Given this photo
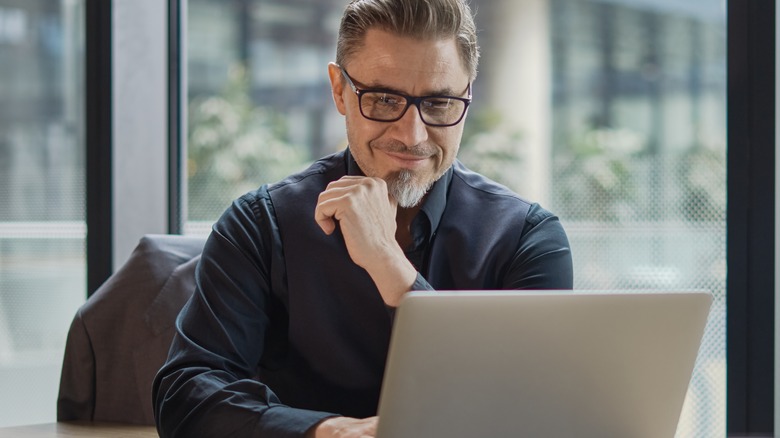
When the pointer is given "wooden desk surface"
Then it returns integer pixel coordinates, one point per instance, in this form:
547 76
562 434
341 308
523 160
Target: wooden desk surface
79 429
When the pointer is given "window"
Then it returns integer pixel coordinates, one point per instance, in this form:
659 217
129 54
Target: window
610 113
259 100
639 161
42 220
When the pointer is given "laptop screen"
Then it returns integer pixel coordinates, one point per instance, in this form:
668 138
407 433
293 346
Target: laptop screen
540 363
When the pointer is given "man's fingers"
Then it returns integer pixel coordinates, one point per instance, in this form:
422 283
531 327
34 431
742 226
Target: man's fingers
328 225
324 215
336 197
352 196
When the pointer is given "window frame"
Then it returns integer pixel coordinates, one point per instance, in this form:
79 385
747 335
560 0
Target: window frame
750 224
99 133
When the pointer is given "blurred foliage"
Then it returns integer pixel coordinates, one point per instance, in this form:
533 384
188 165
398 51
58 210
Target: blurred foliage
604 175
703 178
594 177
491 148
234 147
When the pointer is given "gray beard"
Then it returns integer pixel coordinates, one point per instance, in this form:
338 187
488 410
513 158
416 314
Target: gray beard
406 190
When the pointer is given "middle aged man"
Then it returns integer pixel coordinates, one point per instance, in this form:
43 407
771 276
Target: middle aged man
288 330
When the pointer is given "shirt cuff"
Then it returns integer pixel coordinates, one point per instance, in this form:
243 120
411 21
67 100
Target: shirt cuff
420 283
287 422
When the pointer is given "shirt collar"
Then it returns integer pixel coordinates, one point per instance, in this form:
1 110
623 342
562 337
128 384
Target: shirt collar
433 205
436 201
352 166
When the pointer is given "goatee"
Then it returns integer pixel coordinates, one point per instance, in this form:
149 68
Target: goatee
407 191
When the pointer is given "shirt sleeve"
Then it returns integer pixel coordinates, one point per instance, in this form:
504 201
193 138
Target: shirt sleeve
206 387
543 259
421 284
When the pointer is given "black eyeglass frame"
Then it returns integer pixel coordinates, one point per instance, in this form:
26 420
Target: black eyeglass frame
410 100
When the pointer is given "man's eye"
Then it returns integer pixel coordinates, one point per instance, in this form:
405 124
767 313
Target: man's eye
436 104
388 99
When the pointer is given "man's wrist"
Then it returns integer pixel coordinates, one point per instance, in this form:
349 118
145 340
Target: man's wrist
319 430
394 278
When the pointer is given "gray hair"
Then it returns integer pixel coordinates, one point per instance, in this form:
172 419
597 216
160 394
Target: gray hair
413 18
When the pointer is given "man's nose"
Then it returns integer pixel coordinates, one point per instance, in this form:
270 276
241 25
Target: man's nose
410 128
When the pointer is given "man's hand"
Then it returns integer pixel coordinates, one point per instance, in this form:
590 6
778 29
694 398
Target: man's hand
345 427
366 215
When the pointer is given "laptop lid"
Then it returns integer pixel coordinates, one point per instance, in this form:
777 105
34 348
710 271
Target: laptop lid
540 363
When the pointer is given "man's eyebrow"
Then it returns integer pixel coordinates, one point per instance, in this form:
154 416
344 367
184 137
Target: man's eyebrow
376 86
445 91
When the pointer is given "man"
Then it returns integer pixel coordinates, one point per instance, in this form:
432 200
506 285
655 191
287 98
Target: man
288 330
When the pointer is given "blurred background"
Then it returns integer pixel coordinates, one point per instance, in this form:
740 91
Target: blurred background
610 113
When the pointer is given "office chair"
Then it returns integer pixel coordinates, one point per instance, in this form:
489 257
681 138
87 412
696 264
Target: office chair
120 337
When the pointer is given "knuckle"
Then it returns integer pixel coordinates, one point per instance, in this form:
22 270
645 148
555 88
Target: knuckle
378 181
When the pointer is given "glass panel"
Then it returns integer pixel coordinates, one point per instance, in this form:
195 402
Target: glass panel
639 161
610 113
259 102
42 228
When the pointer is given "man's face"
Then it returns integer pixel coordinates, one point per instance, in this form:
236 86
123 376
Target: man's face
408 154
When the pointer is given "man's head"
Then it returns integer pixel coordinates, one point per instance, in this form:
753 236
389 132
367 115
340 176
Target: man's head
411 48
417 19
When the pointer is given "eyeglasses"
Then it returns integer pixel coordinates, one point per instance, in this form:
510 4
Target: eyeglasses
388 106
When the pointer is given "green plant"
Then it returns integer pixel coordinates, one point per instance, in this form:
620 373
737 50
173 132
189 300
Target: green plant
703 179
491 148
595 177
234 146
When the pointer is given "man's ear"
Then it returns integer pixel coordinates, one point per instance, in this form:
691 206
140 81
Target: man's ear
337 87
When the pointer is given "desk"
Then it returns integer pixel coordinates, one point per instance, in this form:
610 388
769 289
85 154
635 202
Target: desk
79 429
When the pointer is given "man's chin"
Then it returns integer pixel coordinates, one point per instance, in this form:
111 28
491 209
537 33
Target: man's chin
406 189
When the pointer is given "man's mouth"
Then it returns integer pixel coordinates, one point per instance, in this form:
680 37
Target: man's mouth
407 160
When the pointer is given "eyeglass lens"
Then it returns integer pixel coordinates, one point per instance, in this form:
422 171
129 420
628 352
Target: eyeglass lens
384 106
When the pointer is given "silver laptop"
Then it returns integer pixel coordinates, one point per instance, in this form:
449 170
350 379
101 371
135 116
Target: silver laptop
540 364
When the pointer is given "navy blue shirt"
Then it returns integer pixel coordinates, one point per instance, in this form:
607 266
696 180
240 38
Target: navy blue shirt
285 330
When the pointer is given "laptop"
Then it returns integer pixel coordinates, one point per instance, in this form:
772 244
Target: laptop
540 363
